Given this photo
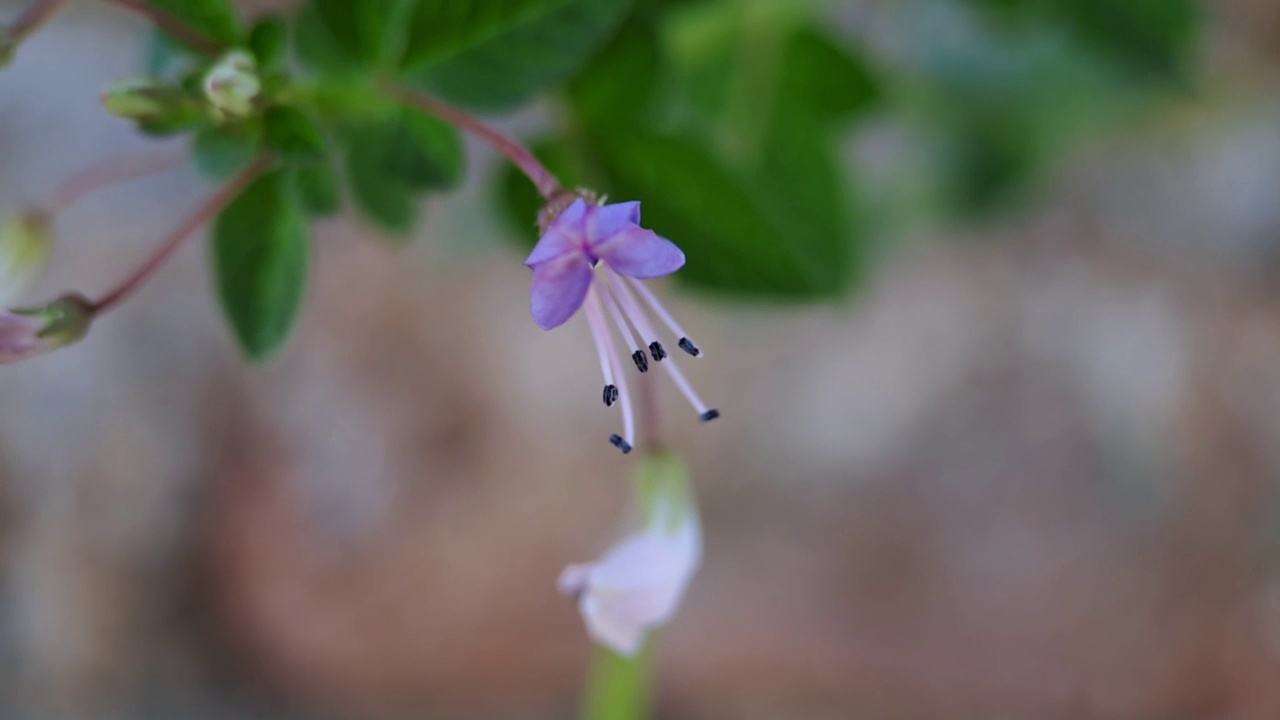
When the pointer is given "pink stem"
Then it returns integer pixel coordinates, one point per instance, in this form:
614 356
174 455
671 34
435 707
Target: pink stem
202 214
517 153
110 171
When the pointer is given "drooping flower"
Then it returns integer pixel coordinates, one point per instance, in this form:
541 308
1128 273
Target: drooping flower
638 584
27 333
592 256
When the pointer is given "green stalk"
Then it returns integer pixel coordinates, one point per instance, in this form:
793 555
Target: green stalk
620 688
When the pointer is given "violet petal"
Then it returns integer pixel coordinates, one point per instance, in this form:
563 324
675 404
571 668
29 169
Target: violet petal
559 288
639 253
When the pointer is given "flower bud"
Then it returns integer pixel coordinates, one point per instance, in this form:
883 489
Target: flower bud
24 249
157 107
232 85
638 584
31 332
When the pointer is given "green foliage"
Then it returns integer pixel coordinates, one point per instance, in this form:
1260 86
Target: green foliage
318 189
293 134
221 152
341 35
215 19
1149 37
261 254
495 54
269 42
389 163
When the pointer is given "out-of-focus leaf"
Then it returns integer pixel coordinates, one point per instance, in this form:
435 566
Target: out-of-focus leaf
618 87
215 19
1151 37
261 256
318 189
389 163
826 77
496 53
221 152
268 40
362 33
733 243
293 134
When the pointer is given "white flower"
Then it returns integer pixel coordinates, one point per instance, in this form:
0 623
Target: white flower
638 584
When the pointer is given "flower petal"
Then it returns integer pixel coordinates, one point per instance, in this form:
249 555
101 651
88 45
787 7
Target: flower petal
607 220
559 287
19 337
639 253
637 585
565 235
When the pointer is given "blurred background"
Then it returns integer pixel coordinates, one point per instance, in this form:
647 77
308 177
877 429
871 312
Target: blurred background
1012 454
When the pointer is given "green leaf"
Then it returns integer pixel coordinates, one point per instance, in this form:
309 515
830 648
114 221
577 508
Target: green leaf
390 162
497 53
261 256
344 35
293 134
827 77
618 87
221 152
734 242
318 190
425 151
268 41
215 19
384 199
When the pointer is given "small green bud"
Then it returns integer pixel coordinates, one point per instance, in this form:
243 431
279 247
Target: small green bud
232 86
35 331
143 100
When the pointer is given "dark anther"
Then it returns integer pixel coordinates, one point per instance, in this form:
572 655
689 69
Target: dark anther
642 360
687 345
621 444
610 395
709 415
659 353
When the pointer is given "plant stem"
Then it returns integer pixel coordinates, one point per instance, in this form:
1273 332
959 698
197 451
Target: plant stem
517 153
173 25
202 214
619 688
115 169
35 15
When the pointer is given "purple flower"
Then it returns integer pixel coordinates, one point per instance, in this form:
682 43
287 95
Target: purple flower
592 256
27 333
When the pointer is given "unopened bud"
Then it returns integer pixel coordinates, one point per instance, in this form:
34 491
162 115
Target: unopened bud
232 85
24 249
27 333
156 107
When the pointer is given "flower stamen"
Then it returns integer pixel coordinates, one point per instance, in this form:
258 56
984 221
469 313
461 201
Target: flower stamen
637 355
609 355
600 333
636 314
685 343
